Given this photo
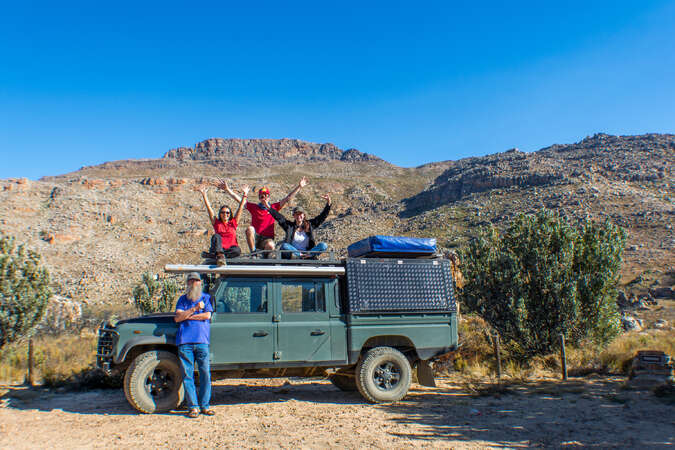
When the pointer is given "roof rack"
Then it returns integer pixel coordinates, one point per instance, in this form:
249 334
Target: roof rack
258 269
272 257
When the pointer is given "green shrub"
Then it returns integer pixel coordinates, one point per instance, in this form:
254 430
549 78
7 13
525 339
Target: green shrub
542 277
24 290
152 295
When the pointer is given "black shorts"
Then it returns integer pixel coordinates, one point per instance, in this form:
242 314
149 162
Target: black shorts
260 240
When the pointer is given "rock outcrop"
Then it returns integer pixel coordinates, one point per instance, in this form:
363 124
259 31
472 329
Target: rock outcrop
265 151
647 158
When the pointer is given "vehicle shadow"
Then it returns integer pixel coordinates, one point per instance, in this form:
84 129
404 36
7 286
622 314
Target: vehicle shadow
232 392
578 412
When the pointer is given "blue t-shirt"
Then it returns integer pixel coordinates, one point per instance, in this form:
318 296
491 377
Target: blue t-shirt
194 331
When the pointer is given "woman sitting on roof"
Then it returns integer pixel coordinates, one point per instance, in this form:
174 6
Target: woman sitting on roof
299 241
224 241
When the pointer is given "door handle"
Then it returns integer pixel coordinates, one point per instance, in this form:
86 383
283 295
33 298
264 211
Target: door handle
260 333
317 333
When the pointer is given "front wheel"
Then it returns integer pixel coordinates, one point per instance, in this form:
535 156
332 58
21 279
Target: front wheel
154 382
383 375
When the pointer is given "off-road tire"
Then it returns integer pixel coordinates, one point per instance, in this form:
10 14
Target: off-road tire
345 381
383 375
154 382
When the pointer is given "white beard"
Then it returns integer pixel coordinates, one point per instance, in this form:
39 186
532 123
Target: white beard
194 293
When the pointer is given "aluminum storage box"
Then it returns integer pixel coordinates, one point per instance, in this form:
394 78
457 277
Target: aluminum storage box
399 285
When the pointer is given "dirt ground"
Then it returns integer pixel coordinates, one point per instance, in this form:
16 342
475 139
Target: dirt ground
295 413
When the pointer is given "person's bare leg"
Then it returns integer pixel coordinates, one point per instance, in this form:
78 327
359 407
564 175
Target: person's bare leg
269 245
250 238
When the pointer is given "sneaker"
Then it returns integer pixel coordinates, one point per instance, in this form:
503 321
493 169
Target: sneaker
208 412
193 414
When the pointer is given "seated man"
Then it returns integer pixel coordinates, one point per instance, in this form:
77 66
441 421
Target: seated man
299 241
260 235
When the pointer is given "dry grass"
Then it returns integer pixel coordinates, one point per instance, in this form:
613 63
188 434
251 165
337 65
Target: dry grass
57 359
476 360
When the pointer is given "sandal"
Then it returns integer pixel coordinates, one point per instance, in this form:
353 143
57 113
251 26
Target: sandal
193 414
208 412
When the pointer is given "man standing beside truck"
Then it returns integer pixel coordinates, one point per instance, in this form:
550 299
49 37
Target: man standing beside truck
193 315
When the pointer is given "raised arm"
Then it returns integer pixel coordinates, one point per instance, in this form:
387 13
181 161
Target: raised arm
245 190
318 220
226 187
303 182
281 220
202 190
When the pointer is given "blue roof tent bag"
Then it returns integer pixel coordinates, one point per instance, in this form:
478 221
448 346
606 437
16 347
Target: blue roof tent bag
392 247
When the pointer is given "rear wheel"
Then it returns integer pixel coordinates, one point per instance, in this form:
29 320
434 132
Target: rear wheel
383 375
154 382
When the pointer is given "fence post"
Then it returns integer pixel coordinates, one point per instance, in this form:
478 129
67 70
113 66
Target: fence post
563 357
495 344
30 380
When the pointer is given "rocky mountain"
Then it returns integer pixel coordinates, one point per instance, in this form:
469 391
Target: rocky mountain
648 158
266 151
100 227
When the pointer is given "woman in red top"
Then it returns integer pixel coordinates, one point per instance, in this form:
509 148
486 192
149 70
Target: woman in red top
224 241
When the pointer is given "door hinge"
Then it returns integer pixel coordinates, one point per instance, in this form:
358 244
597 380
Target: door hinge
277 355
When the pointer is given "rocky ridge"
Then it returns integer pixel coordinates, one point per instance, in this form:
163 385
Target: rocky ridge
648 158
266 151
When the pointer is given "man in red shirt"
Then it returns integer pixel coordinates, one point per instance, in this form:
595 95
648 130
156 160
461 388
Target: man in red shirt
260 235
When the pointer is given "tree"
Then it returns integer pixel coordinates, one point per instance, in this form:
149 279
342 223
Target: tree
152 295
542 277
24 290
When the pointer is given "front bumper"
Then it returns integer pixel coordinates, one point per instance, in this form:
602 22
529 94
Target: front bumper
107 339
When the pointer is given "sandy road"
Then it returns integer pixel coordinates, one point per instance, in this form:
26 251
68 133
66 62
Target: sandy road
313 414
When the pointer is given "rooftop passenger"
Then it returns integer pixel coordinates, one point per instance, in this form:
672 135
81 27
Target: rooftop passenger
224 241
299 241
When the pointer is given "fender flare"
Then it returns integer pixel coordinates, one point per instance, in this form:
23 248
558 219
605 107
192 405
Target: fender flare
142 340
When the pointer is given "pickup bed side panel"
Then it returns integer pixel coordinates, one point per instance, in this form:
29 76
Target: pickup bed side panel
430 334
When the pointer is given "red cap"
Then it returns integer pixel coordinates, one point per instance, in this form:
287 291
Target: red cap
263 190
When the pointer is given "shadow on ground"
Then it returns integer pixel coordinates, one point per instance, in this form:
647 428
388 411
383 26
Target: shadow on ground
113 402
583 412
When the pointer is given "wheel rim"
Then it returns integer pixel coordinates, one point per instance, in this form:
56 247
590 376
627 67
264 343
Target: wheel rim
160 384
387 376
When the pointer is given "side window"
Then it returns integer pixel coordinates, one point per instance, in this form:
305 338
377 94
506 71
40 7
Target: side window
303 296
242 296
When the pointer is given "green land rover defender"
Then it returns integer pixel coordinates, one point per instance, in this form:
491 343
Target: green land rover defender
363 323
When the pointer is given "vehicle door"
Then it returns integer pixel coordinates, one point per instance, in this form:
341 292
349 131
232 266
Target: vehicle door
242 330
303 325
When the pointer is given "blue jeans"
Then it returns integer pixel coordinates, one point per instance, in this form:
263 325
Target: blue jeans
199 353
318 248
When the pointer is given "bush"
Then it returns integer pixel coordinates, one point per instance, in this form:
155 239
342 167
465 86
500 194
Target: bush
24 290
543 277
152 295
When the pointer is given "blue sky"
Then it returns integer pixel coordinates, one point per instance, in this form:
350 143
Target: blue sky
412 82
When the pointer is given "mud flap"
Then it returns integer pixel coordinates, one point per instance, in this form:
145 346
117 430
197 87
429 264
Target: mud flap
425 376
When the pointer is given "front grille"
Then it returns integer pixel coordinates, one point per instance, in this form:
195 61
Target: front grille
106 342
